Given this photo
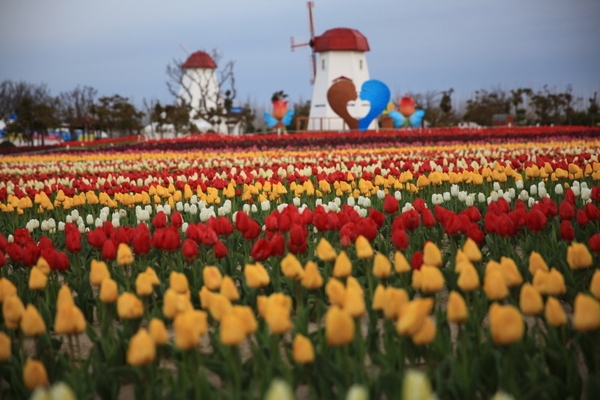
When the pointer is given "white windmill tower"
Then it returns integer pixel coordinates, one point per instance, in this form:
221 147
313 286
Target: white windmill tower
200 87
341 54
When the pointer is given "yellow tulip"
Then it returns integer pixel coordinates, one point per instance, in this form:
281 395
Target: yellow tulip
219 306
158 331
142 349
471 250
382 267
64 297
432 279
494 285
554 312
69 320
394 300
586 313
277 317
129 306
416 279
412 316
205 295
536 262
354 302
401 264
187 334
511 273
152 275
212 277
5 347
343 266
291 267
312 278
456 310
256 275
179 282
530 300
32 323
248 319
124 255
553 283
378 298
232 330
578 256
336 292
98 271
506 324
228 289
7 288
432 255
37 279
353 282
43 265
425 334
109 292
363 248
339 327
34 374
468 280
595 284
325 251
303 351
143 285
12 310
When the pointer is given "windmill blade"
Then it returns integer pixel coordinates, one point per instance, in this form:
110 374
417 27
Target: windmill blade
311 26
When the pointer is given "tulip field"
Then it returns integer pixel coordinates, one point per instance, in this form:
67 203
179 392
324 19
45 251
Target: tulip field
406 264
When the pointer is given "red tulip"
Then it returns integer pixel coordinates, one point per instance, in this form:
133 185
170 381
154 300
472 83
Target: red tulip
410 219
224 227
504 226
176 219
31 253
45 243
210 237
2 259
14 251
592 211
277 245
569 196
536 220
261 250
120 236
171 240
220 250
416 260
475 233
566 211
567 233
242 221
189 250
400 239
390 204
108 228
96 238
253 230
594 243
160 220
349 231
3 243
582 218
427 218
109 250
22 237
61 262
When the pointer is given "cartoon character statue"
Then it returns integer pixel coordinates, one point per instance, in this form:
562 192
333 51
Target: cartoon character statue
406 115
281 116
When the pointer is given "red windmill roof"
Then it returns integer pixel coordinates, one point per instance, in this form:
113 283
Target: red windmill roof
199 59
341 39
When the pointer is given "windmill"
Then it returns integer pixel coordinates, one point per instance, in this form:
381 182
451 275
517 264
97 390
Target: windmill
294 45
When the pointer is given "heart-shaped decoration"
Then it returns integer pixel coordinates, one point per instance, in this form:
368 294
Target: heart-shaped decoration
378 95
339 95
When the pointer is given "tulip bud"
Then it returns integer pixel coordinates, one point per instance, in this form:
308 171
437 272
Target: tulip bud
554 312
578 256
32 323
363 247
401 264
354 302
412 316
291 267
506 324
142 349
536 262
586 313
312 278
256 275
37 279
339 327
552 284
468 280
303 351
494 286
277 317
5 347
325 251
187 335
158 331
530 300
34 374
98 271
124 255
231 331
512 276
109 291
456 310
129 306
343 266
378 298
212 277
65 298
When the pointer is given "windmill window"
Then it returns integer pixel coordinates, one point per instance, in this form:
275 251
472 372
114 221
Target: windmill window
322 64
360 64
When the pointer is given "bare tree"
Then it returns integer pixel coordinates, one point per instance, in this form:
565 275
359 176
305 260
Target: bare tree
75 108
216 89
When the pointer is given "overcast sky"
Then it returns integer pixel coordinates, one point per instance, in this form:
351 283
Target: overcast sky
123 46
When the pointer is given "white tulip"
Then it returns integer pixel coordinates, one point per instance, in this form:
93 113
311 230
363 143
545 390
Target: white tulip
470 200
296 201
75 214
542 192
524 195
184 226
179 206
454 189
351 201
68 219
380 194
558 189
446 196
481 198
519 184
363 213
11 238
398 195
266 205
586 193
496 186
533 190
576 190
89 219
98 222
122 213
115 223
253 208
61 226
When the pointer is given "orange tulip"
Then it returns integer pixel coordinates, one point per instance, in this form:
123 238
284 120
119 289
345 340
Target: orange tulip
303 351
339 327
343 266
